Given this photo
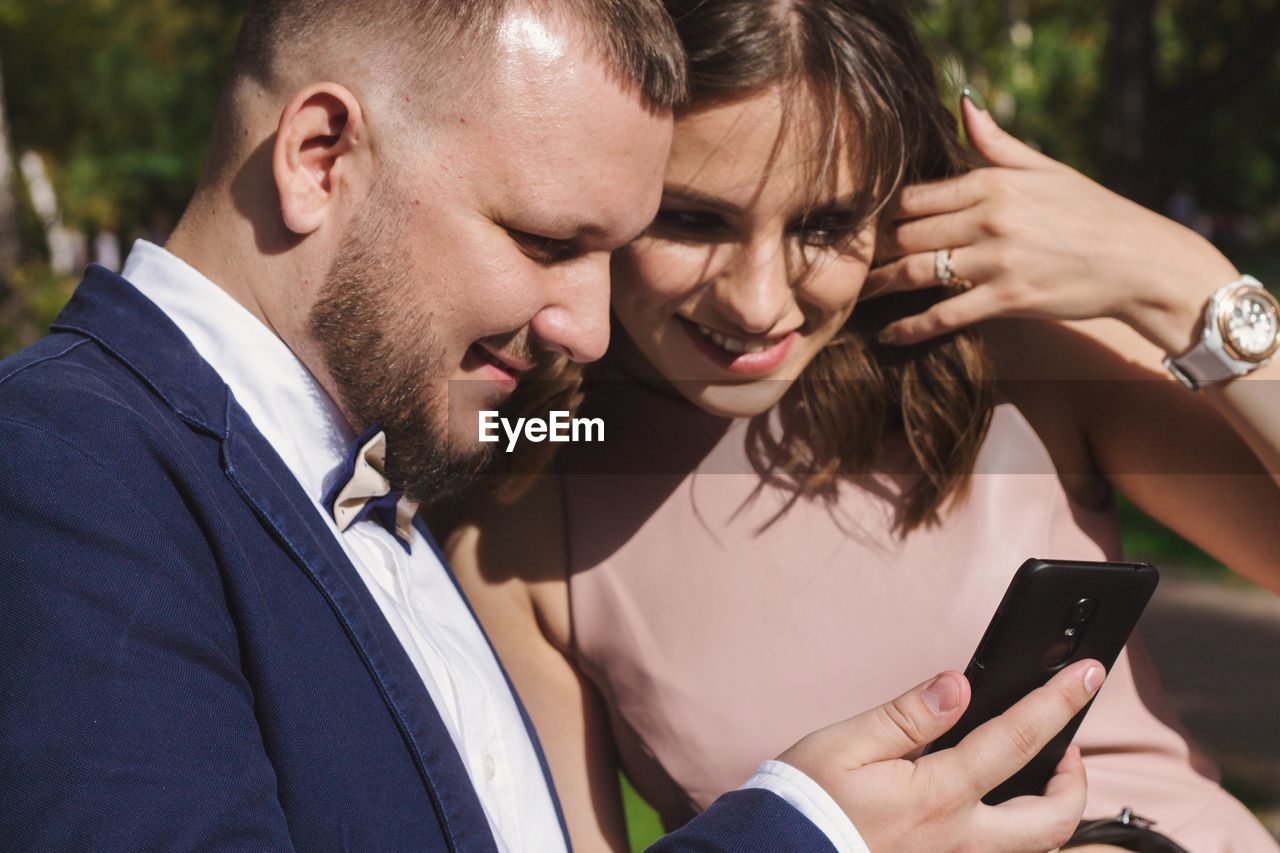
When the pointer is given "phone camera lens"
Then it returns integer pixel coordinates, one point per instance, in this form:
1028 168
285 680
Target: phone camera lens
1083 611
1059 653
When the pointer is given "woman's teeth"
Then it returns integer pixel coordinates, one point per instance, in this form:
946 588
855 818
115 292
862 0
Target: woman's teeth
733 345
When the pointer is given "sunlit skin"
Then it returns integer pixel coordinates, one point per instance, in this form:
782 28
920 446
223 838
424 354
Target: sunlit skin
527 238
506 219
744 246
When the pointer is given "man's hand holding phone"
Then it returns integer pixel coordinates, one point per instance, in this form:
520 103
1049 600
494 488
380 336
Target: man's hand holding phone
935 803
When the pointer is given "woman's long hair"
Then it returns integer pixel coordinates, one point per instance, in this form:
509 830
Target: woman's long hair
874 86
879 107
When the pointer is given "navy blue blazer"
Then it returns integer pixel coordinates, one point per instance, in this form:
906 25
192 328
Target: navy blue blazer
188 660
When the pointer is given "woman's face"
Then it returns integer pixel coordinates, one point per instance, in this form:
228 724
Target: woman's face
749 269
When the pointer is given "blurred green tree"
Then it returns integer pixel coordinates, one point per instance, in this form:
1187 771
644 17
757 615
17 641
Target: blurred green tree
1145 95
118 95
10 244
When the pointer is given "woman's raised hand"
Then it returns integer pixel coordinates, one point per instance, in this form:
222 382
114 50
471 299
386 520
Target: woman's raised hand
1029 236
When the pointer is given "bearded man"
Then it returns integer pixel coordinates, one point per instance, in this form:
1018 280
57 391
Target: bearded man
223 622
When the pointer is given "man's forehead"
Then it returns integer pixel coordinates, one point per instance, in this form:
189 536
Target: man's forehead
552 135
608 207
543 49
593 167
525 35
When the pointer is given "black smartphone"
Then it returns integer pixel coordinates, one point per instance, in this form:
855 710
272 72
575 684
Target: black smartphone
1054 613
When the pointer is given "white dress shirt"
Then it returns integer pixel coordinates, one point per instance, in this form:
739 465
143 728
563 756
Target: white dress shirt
413 590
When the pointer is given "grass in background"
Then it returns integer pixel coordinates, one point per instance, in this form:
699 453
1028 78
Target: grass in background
643 826
1150 541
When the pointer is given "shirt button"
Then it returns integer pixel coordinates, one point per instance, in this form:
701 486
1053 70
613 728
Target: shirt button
489 767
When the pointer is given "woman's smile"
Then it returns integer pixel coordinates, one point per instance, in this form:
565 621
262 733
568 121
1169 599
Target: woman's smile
753 357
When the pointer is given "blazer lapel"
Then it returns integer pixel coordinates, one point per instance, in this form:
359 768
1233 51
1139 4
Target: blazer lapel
112 312
275 495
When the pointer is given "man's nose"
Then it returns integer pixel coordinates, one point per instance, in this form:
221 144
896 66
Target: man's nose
575 321
754 291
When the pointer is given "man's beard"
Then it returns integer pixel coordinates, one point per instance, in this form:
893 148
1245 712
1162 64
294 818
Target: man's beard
386 361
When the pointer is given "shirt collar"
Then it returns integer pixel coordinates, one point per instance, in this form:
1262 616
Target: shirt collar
284 401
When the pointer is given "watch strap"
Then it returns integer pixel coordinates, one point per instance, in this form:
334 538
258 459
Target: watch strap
1203 365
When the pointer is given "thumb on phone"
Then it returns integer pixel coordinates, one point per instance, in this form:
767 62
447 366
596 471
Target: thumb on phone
909 722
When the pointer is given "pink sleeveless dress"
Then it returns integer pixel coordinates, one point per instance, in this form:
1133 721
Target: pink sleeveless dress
717 644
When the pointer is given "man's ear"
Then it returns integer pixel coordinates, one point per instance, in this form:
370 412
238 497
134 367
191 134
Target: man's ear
319 146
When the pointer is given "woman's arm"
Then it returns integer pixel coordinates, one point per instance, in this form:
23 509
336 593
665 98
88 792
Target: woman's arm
1099 398
1039 240
511 563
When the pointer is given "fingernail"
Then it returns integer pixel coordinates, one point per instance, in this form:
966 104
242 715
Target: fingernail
975 97
887 336
942 695
1092 678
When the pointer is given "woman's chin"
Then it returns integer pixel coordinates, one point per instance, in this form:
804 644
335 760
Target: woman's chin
735 400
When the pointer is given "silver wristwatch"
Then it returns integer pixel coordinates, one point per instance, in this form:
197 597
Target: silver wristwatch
1241 332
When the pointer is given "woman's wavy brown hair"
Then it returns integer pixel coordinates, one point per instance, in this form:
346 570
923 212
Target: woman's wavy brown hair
874 86
873 82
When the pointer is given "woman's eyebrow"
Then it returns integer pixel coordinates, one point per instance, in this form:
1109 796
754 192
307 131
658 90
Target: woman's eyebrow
689 195
846 205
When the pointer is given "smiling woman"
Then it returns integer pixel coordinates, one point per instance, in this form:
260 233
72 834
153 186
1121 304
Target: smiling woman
747 279
792 521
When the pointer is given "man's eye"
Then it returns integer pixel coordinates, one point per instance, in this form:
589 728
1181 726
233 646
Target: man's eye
688 225
544 250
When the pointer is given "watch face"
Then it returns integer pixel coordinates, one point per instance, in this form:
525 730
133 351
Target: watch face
1249 325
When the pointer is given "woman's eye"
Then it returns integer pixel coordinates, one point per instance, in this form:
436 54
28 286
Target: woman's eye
828 231
544 250
688 225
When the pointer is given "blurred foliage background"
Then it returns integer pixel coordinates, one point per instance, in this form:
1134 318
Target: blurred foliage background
116 99
106 106
1172 102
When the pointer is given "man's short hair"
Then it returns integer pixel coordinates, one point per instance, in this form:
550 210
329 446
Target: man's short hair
635 38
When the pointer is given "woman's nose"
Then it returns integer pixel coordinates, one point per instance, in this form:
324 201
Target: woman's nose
754 290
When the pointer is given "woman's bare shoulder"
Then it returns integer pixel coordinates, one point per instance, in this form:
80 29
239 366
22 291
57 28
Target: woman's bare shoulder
511 554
